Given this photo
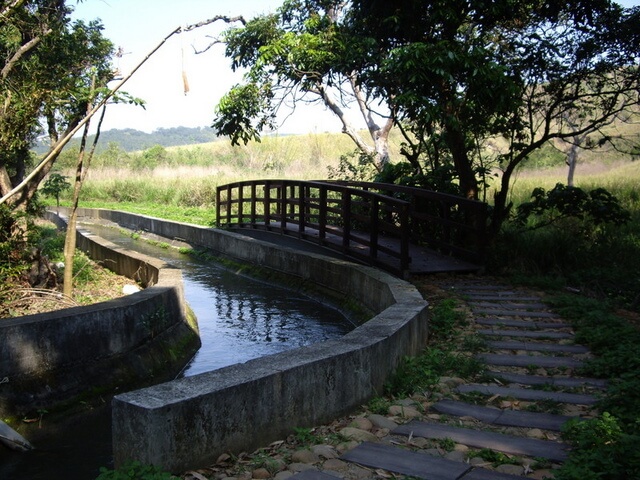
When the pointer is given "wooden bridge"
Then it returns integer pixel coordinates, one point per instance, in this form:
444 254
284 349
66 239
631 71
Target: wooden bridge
403 230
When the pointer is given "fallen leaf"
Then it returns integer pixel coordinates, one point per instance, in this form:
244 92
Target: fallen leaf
195 476
383 473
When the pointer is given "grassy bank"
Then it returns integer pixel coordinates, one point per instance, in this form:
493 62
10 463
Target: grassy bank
179 184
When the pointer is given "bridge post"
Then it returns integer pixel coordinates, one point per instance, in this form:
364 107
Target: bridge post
240 203
267 204
218 206
373 235
322 214
404 239
282 195
253 203
346 217
302 217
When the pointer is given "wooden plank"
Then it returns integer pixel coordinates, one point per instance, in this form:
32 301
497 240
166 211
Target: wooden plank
398 460
481 439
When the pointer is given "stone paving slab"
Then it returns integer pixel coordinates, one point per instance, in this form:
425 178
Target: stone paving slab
508 304
569 382
537 347
406 462
525 334
515 313
463 409
502 298
528 360
521 323
529 394
314 475
496 416
555 451
483 288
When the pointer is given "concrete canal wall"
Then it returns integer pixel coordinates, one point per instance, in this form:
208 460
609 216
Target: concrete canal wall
51 358
189 422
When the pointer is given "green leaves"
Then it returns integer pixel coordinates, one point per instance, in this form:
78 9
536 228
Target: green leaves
243 112
563 201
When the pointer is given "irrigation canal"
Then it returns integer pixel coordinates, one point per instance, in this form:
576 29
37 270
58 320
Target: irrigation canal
239 319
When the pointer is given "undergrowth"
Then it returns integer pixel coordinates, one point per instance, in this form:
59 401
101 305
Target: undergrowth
606 447
441 357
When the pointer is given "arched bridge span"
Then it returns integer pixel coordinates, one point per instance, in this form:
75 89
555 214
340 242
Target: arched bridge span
401 229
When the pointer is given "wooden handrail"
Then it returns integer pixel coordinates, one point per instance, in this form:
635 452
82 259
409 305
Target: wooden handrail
373 222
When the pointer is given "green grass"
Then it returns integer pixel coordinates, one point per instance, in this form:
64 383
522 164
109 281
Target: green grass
422 373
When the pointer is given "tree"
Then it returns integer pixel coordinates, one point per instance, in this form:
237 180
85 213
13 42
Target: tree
55 185
452 75
463 73
302 54
45 85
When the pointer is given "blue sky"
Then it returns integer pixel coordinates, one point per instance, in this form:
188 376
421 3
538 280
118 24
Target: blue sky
139 25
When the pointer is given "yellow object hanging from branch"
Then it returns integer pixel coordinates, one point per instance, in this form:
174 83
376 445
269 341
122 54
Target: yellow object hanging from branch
185 80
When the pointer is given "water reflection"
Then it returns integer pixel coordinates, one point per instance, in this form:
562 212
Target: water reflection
239 319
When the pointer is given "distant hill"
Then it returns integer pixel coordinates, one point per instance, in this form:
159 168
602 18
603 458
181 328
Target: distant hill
131 140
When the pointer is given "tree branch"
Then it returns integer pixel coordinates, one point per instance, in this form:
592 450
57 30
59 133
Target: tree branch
21 51
7 9
57 148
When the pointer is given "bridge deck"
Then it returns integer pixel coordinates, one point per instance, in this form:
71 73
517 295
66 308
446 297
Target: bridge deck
423 260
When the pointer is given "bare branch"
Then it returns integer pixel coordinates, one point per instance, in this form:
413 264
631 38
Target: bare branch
224 18
215 41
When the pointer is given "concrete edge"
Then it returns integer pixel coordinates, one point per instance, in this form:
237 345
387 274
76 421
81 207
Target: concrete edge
51 358
189 422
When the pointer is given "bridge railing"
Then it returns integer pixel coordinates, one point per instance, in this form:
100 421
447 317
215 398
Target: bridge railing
447 223
346 219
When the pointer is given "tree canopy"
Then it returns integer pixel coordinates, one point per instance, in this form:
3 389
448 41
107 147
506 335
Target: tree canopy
50 65
472 84
301 54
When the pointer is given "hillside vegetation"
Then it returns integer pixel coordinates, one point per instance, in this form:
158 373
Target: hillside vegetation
180 183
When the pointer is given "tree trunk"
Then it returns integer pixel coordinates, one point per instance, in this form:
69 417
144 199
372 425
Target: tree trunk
572 161
456 142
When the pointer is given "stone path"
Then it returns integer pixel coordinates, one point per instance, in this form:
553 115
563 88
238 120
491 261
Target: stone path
530 388
542 343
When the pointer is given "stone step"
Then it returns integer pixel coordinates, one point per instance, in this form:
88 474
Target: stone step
515 313
528 394
537 347
501 298
394 459
555 451
417 464
544 361
525 334
568 382
521 323
508 304
496 416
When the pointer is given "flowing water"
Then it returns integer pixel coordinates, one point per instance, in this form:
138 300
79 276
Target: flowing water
239 319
